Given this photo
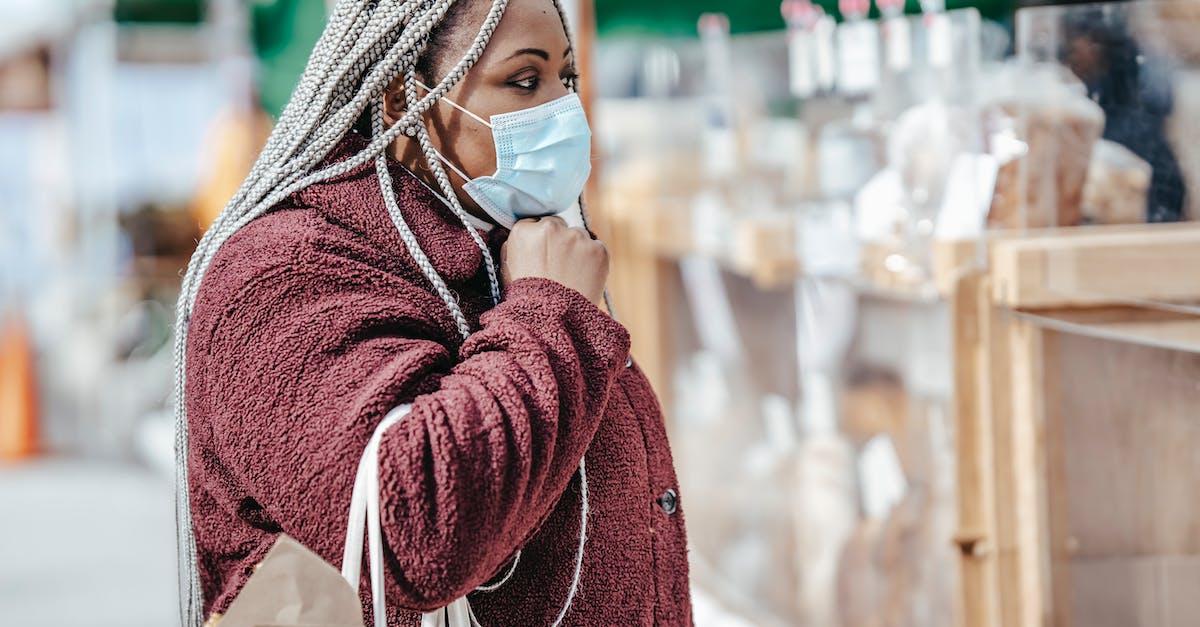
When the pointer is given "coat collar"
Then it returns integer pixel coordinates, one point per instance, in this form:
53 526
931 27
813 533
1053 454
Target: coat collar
354 202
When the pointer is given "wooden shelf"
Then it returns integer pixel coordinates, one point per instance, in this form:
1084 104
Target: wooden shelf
1097 265
1075 362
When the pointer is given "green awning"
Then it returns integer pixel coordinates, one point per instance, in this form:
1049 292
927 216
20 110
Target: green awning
159 11
284 33
677 18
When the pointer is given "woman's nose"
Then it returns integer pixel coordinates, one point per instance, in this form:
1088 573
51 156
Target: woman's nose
556 91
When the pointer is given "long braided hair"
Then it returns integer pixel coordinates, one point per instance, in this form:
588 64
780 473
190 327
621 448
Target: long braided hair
364 47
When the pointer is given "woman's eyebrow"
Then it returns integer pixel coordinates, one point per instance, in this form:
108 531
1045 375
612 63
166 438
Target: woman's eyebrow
537 52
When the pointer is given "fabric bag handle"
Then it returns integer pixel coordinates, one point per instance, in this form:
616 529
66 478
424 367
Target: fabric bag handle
364 510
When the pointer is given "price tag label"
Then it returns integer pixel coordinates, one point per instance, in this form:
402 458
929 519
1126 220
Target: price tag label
858 55
824 51
970 186
719 144
939 39
802 64
898 43
883 480
709 233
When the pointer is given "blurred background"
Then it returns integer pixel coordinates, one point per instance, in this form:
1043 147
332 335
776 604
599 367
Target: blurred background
915 281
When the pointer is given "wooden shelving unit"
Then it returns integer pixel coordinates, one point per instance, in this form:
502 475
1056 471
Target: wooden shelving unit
1076 356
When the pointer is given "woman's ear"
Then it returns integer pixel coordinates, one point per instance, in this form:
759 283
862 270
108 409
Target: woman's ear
395 105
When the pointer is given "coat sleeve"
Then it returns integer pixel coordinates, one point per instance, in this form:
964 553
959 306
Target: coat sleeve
306 362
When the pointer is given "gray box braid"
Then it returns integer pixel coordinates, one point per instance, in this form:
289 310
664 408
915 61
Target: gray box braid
364 46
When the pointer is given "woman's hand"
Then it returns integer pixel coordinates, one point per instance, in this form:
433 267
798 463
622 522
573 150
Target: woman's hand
549 249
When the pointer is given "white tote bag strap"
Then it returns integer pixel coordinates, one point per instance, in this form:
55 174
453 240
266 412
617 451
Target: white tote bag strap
364 511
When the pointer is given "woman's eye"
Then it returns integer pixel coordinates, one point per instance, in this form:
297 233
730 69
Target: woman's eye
570 80
528 84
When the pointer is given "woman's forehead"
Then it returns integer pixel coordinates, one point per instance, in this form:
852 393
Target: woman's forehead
528 25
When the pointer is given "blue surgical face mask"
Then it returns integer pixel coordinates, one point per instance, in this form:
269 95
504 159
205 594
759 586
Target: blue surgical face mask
543 160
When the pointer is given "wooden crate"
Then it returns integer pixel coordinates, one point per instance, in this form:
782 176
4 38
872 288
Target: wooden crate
1076 392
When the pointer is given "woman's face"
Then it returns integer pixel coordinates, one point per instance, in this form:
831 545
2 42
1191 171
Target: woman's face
527 63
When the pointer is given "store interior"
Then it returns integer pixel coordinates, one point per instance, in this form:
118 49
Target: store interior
915 283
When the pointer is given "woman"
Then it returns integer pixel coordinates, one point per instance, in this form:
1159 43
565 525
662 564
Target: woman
1136 92
353 273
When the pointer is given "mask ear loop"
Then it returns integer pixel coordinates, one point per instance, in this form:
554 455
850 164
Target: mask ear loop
456 106
450 165
438 153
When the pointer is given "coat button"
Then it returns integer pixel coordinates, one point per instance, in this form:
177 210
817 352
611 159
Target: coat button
669 502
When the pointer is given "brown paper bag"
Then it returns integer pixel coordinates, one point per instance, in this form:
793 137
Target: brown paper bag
293 587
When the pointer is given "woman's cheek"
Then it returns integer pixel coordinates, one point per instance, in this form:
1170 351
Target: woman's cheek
481 151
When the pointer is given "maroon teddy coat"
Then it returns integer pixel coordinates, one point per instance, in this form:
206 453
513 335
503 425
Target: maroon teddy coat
313 322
